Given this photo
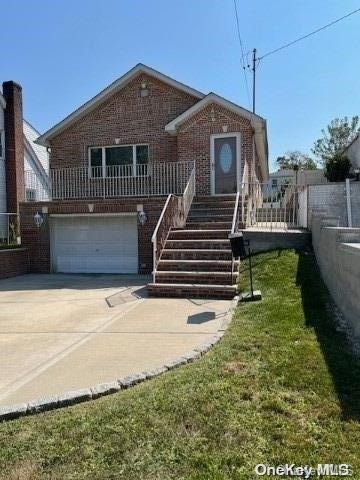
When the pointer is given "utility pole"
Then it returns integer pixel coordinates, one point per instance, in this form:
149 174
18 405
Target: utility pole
254 76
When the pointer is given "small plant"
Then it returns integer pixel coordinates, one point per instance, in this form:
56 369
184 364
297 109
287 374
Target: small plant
337 168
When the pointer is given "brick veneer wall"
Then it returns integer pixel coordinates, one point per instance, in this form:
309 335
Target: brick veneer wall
134 119
194 140
13 262
37 240
14 145
129 117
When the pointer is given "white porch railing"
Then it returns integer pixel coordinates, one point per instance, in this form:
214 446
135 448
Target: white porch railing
111 182
9 229
174 214
268 207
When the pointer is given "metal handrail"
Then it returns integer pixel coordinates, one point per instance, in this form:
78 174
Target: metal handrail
235 214
184 204
234 228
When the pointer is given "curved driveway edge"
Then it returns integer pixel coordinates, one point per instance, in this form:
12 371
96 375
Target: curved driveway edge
92 393
62 333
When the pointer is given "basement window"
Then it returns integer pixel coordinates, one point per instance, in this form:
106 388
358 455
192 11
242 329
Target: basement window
119 161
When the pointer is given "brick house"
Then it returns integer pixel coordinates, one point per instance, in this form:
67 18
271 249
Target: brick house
145 178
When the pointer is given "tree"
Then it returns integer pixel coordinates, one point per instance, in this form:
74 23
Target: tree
337 168
296 158
336 137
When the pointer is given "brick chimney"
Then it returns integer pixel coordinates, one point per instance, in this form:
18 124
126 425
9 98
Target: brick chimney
14 145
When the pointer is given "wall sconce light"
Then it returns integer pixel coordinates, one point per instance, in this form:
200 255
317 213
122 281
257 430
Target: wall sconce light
357 173
38 219
225 128
90 207
117 141
142 217
144 92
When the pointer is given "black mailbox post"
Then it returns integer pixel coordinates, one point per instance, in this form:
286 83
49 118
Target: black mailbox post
238 244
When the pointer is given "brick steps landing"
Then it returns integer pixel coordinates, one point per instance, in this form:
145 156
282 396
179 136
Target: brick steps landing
196 265
198 234
196 261
191 290
194 277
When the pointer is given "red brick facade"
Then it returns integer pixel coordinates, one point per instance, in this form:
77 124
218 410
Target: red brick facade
134 119
38 239
13 262
128 117
194 140
131 118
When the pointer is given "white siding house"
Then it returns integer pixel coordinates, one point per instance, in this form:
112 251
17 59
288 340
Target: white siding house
353 153
36 166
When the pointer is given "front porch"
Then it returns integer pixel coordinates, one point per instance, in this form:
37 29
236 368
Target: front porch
80 183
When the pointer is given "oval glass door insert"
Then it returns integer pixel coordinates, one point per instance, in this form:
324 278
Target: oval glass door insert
225 157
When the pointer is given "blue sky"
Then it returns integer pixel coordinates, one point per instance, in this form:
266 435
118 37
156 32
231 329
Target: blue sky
63 52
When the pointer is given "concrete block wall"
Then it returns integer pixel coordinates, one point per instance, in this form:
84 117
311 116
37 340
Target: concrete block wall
329 199
337 251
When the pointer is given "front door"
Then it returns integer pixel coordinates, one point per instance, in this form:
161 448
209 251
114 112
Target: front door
225 163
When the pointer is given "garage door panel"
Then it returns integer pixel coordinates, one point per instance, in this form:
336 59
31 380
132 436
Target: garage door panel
95 244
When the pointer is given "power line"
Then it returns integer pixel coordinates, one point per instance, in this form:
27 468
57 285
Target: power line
309 34
242 51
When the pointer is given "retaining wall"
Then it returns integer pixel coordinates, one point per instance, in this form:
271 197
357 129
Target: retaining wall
13 262
337 251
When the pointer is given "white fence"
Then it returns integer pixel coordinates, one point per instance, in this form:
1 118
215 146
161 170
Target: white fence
268 207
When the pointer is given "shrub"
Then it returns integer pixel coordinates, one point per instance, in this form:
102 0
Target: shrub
337 168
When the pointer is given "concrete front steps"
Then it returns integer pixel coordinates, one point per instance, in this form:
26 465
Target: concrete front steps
197 261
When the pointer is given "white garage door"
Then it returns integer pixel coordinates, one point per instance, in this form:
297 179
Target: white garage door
94 244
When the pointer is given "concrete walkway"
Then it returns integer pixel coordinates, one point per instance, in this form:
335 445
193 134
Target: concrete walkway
66 332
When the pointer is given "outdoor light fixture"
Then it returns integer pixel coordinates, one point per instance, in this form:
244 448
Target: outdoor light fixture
142 217
357 173
238 244
38 219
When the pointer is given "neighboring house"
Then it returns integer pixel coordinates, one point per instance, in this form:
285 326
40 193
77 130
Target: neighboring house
113 164
302 177
23 163
352 152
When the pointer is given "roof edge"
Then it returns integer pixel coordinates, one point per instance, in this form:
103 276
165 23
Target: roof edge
212 98
118 84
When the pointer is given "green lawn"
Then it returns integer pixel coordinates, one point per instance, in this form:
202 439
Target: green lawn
280 387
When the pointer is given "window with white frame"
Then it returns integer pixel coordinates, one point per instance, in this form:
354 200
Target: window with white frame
2 144
119 161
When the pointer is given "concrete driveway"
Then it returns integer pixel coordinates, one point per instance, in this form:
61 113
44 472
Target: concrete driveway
66 332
